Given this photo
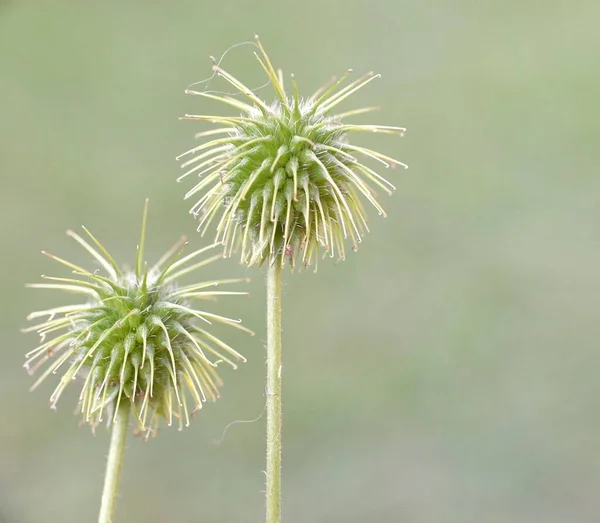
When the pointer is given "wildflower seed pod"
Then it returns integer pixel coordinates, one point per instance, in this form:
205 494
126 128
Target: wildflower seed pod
138 337
284 181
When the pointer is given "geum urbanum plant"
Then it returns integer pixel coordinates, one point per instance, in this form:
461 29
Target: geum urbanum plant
138 343
283 182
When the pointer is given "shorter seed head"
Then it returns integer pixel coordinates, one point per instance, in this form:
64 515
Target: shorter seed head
137 337
283 181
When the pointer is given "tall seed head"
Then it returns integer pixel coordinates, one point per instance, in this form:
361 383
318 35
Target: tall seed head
284 181
137 337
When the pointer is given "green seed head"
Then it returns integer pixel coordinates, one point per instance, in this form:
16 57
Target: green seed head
284 181
136 337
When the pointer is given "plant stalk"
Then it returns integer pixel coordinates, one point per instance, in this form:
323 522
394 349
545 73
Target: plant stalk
114 464
274 370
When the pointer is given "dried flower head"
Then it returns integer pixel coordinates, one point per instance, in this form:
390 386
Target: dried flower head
284 180
137 337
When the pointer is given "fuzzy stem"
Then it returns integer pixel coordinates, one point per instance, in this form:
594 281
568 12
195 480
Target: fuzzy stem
114 464
273 471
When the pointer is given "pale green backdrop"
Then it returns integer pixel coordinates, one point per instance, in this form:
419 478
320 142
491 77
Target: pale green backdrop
445 373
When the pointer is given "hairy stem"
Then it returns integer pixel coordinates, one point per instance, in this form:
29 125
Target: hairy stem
114 464
273 471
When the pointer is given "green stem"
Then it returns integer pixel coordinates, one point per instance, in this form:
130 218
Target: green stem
273 472
115 462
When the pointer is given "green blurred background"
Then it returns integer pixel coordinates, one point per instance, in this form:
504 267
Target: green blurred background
445 373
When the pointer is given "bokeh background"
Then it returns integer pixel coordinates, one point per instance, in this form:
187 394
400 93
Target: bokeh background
445 373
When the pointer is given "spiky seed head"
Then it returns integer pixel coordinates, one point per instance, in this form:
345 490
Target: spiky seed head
137 336
283 180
